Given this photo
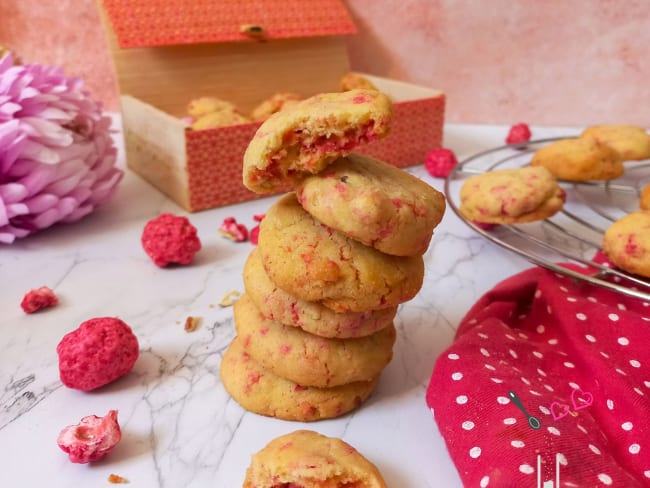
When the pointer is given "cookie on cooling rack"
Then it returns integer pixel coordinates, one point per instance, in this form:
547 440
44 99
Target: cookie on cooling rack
579 159
306 458
511 196
308 359
627 243
632 143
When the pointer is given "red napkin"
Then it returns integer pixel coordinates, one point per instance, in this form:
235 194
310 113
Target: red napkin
576 357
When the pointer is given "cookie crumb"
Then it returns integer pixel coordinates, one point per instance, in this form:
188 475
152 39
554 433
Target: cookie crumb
116 479
192 323
35 300
229 299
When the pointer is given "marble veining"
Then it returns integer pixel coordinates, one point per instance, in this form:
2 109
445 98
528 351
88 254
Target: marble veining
180 428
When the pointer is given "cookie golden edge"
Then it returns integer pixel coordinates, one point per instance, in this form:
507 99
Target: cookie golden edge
311 460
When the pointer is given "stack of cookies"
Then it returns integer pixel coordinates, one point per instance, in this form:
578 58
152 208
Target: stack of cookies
335 258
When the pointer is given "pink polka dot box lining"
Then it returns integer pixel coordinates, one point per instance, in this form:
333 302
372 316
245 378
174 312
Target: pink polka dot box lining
303 52
547 384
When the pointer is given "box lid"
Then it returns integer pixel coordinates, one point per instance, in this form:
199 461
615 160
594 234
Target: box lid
146 23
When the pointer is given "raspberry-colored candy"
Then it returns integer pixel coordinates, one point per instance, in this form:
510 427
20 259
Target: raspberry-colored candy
440 162
100 351
255 231
518 133
230 229
170 239
37 299
485 225
91 439
255 234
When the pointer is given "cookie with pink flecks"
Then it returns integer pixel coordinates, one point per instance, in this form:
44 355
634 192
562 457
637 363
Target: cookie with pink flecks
278 305
260 391
307 359
308 136
306 459
374 203
511 196
627 243
313 262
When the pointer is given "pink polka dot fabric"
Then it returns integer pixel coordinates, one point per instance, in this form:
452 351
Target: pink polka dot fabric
548 380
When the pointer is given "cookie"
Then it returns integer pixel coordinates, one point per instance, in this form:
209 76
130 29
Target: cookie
260 391
644 200
511 196
352 81
374 203
307 359
278 305
630 142
274 104
205 105
315 263
627 243
219 119
306 459
579 159
308 136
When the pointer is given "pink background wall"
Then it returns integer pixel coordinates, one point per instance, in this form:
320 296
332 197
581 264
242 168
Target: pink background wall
554 62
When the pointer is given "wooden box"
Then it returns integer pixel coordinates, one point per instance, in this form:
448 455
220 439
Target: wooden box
168 53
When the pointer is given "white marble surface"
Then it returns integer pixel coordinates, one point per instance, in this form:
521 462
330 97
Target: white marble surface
180 428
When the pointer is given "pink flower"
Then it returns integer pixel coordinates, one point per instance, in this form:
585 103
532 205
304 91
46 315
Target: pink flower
57 158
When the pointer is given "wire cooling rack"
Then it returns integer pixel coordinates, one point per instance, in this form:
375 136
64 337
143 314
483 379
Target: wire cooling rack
574 234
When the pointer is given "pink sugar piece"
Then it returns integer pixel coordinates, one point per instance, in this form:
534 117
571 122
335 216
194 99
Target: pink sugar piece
97 353
485 225
231 229
91 439
440 162
37 299
170 239
518 133
255 235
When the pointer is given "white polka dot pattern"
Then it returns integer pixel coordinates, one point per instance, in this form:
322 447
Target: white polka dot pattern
572 357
